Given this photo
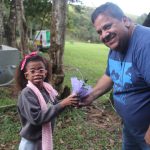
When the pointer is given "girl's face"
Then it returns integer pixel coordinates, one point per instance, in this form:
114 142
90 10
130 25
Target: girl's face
36 73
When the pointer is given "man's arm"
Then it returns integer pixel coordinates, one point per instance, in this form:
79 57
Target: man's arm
103 85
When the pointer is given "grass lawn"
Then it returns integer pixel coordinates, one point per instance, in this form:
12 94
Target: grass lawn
85 60
91 128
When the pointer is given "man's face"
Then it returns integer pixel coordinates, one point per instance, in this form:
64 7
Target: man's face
112 32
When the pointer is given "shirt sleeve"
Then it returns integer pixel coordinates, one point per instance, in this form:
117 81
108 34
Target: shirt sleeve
31 110
142 60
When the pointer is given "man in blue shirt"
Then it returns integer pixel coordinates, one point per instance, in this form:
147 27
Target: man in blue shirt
127 72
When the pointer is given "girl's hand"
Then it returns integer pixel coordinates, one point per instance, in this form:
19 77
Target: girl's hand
147 136
71 100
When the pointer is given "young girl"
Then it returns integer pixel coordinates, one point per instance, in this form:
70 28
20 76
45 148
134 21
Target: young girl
37 107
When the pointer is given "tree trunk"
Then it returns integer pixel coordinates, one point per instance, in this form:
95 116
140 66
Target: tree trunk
22 27
1 22
11 27
56 51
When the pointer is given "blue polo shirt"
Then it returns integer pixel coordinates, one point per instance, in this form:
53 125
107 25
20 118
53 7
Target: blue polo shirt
130 72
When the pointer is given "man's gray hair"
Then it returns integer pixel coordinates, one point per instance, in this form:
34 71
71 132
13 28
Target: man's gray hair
109 9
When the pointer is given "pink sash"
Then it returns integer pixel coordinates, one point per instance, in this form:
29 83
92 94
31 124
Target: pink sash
47 140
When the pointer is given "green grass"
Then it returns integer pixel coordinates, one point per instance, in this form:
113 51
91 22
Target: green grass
72 130
9 129
85 60
77 134
7 101
5 97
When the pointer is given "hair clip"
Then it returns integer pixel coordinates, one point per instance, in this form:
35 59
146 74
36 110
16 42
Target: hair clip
26 57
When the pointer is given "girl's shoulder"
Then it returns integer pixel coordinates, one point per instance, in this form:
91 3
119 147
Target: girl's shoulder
27 91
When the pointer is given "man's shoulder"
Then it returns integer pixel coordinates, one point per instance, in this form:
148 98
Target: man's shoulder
141 36
140 29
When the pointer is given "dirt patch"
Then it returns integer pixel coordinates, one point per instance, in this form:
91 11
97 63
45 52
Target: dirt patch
102 116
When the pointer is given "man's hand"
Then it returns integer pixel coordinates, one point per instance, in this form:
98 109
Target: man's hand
147 136
103 85
86 101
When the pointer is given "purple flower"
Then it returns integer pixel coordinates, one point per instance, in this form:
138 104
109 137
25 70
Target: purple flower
80 87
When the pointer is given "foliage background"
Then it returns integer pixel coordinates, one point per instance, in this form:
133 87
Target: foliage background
78 24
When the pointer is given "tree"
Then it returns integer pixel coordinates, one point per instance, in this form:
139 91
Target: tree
10 27
147 21
141 18
14 23
79 25
1 22
22 27
37 13
57 42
